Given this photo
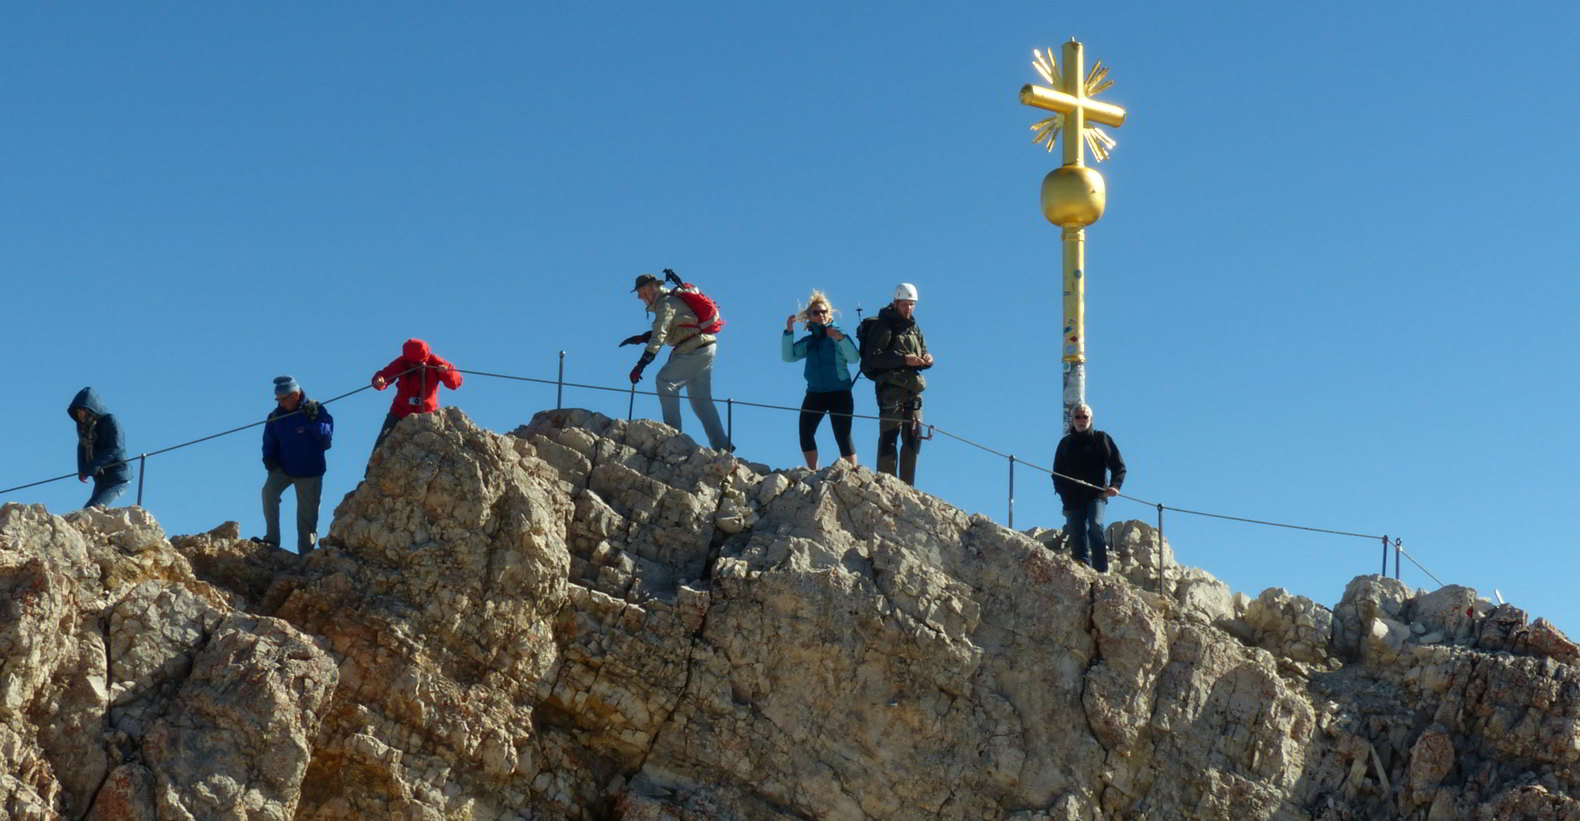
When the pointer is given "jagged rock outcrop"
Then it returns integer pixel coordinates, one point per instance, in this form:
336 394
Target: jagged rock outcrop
129 688
589 618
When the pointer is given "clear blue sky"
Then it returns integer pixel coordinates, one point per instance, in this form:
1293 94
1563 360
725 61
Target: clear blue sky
1334 285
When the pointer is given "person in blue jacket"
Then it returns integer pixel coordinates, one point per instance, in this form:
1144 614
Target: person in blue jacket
101 448
295 437
829 353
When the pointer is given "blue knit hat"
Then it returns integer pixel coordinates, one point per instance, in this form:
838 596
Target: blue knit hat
284 385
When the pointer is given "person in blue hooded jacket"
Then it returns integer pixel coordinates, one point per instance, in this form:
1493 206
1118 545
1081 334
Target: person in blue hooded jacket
295 437
101 448
829 353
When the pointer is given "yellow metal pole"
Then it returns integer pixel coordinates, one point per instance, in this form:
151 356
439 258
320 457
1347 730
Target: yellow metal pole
1074 76
1074 321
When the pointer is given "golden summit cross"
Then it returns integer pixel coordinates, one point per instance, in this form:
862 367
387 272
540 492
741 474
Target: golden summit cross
1073 195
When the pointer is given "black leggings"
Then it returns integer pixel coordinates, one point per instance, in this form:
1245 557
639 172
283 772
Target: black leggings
838 405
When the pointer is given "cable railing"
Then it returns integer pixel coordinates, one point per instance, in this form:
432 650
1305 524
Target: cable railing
1394 546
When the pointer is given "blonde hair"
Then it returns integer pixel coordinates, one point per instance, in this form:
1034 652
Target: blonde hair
816 297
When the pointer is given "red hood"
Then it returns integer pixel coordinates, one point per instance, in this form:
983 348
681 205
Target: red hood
415 351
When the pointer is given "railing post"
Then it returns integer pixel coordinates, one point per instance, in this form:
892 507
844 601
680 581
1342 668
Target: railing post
1396 558
1162 576
1012 491
729 417
142 470
559 385
1385 555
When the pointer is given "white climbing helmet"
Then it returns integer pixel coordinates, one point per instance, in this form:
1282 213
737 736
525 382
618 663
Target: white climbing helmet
905 290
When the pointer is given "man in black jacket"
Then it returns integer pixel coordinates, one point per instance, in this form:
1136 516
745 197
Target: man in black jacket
1087 454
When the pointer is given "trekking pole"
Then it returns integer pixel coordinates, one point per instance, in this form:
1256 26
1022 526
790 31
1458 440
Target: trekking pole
559 386
859 373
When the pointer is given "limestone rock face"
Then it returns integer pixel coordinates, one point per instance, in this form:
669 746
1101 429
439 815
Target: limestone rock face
130 689
588 618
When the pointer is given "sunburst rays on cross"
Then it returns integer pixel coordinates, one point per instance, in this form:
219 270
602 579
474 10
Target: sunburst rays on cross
1046 131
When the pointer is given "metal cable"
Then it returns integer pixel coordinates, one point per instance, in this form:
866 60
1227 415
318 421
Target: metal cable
131 459
768 406
1418 565
974 444
1270 524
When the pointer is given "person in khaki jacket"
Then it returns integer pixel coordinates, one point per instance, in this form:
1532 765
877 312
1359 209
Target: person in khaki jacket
893 355
690 363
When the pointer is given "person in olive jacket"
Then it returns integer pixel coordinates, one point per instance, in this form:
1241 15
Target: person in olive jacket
1090 456
101 449
893 355
692 340
829 353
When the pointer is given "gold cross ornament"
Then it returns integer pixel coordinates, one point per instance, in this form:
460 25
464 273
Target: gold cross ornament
1071 100
1073 196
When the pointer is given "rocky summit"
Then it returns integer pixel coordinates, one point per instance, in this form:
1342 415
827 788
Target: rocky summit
594 619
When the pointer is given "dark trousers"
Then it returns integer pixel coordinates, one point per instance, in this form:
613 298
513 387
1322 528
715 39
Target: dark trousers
901 416
389 424
838 405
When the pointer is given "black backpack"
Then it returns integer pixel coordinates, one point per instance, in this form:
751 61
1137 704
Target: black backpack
866 331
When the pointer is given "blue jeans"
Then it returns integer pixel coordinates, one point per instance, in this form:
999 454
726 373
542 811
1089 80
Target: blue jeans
694 372
1083 526
106 492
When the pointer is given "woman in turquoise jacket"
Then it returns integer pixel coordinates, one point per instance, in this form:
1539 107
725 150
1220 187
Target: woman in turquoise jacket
829 353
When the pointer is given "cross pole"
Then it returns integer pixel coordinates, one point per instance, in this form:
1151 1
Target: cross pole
1073 195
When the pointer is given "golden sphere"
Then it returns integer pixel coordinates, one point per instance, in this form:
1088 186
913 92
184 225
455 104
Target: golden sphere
1073 196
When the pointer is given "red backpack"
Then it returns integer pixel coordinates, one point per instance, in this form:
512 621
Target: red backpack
707 311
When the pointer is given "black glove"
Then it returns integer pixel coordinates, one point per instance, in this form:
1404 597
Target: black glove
637 340
636 372
271 464
310 410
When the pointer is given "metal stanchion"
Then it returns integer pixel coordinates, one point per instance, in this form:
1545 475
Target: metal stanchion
1163 585
1012 491
559 386
142 470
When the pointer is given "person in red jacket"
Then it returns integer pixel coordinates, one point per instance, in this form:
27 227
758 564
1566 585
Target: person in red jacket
417 375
